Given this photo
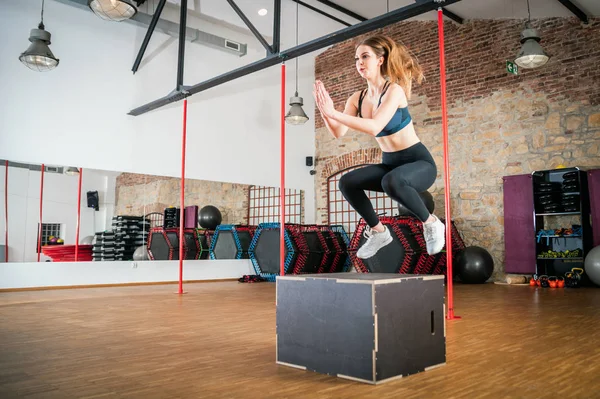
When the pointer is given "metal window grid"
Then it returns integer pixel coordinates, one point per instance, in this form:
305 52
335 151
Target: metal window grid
263 205
48 229
341 213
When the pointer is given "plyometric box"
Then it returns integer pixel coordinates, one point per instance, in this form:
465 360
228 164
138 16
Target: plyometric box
369 327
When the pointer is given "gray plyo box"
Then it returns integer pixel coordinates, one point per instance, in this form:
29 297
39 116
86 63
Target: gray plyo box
367 327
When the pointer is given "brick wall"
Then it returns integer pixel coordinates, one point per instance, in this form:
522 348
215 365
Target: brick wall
136 194
499 124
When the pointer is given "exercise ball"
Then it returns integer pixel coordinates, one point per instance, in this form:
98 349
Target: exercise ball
592 265
427 199
209 217
474 265
88 240
141 253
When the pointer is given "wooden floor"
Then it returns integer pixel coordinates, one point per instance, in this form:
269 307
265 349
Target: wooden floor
218 341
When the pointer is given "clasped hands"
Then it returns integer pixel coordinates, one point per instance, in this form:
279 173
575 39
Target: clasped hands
323 100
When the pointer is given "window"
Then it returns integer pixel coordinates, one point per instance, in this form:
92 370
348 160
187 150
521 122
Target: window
341 213
263 205
48 230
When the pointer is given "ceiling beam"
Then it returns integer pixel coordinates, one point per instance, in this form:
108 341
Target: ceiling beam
322 12
380 21
452 16
149 32
181 51
276 26
342 9
575 10
250 26
448 13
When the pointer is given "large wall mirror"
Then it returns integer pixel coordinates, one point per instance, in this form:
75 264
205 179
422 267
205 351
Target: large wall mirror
119 213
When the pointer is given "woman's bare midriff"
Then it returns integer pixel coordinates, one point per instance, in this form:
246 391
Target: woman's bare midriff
405 138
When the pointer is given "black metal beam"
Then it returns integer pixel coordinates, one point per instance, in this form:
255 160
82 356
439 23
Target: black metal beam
161 102
250 26
448 13
380 21
181 54
322 12
575 10
342 9
155 18
276 26
452 16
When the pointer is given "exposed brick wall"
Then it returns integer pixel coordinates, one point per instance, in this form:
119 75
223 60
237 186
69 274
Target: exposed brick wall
476 53
499 124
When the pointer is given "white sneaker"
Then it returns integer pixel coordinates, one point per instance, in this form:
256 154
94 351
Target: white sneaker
435 236
375 241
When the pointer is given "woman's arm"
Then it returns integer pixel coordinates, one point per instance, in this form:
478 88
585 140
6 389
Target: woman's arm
394 98
336 128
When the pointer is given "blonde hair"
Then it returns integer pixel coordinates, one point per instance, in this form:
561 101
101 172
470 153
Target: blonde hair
398 65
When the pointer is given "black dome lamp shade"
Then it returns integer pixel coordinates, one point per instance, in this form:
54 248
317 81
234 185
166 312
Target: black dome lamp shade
114 10
38 56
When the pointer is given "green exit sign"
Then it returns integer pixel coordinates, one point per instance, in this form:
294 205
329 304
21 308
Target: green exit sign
511 67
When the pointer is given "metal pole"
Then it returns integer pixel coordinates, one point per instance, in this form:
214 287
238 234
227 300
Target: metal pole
450 314
78 216
6 212
282 181
182 198
41 208
155 18
181 53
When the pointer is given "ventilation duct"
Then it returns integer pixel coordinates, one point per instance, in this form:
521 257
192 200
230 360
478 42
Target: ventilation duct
34 168
171 28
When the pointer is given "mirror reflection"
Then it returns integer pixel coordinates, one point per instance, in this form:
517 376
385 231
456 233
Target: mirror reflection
116 216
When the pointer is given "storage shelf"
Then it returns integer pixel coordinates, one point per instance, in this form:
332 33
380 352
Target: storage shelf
558 214
557 192
560 236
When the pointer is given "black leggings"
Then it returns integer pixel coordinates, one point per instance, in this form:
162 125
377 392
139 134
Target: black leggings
402 175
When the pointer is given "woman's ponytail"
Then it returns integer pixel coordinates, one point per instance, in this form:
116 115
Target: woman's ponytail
398 65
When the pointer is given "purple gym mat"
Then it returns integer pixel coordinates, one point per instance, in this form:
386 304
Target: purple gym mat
190 218
519 232
594 189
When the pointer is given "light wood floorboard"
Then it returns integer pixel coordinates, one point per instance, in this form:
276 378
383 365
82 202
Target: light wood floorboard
218 341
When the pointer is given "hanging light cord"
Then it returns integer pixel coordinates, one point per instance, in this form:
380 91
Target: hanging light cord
528 11
296 45
41 26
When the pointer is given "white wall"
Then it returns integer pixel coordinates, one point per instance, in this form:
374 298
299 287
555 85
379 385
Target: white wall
64 274
59 206
77 113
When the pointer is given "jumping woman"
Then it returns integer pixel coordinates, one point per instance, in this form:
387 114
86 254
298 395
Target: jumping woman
381 111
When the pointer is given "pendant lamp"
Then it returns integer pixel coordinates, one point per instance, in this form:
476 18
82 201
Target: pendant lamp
531 54
114 10
38 56
296 115
71 171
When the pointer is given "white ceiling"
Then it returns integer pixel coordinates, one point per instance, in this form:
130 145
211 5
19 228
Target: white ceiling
467 9
478 9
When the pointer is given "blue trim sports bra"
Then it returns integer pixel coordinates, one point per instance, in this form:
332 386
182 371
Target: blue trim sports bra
399 120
